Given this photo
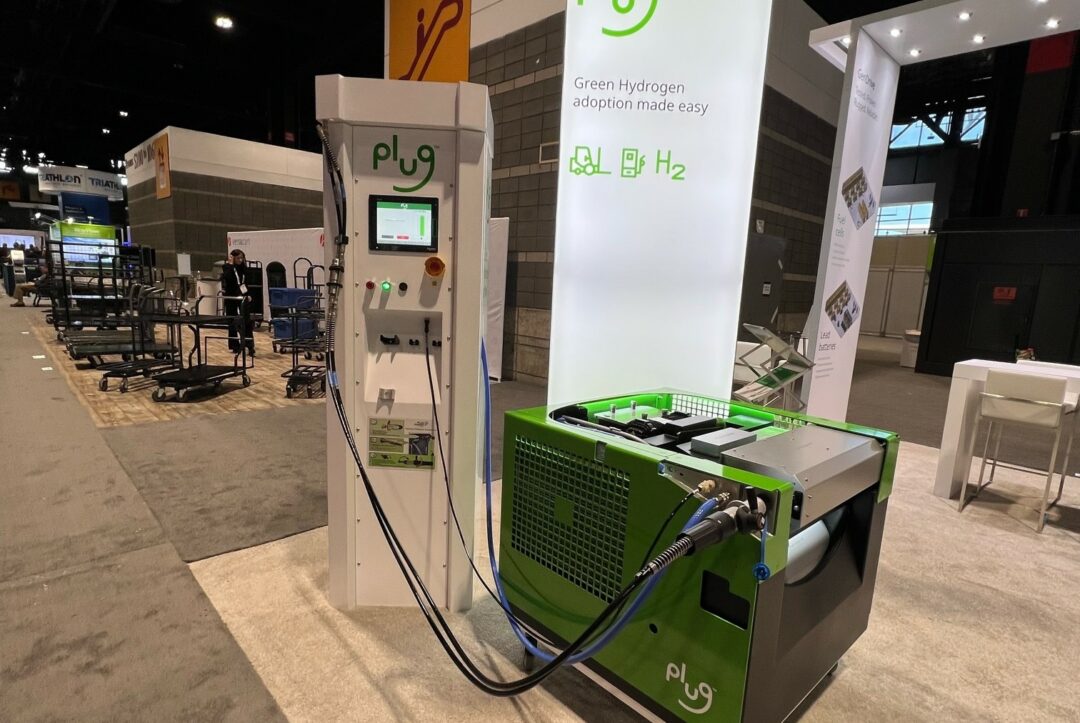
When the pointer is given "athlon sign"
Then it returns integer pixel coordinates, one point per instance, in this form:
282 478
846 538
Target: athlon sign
65 179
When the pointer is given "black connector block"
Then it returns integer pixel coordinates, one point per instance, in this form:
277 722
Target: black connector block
723 524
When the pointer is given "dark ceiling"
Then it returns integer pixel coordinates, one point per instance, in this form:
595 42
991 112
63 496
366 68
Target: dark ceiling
68 67
834 11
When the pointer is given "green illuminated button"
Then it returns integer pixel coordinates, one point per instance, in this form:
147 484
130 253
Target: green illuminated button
386 287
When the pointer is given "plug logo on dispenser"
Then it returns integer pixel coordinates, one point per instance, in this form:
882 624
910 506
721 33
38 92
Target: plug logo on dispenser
425 154
703 691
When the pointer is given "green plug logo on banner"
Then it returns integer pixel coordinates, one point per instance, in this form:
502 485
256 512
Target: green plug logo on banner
625 7
389 152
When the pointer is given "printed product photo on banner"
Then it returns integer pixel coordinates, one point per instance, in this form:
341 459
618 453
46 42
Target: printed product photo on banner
859 198
843 308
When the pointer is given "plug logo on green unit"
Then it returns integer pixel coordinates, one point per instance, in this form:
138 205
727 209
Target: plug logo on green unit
625 7
425 154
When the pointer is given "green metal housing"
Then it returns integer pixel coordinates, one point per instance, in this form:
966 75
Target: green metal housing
579 511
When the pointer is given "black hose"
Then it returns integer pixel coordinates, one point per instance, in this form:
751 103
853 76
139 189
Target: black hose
428 607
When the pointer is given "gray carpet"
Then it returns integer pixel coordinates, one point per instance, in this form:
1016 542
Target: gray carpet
131 637
99 618
225 482
64 500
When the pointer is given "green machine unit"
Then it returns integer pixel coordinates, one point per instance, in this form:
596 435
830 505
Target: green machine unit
741 631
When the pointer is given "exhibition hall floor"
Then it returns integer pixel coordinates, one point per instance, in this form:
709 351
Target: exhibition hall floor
176 570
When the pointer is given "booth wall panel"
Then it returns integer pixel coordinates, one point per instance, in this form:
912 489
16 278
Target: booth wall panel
202 209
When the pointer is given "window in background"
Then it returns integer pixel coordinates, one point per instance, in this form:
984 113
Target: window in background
917 134
974 125
901 219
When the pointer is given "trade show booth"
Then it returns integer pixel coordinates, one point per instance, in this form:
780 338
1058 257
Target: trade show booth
290 258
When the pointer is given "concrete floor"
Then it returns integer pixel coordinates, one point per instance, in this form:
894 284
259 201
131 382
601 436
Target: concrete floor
100 619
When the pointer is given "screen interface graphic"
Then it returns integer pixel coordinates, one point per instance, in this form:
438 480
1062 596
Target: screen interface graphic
403 224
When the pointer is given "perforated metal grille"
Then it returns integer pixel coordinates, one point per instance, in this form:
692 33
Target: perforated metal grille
698 405
691 404
569 515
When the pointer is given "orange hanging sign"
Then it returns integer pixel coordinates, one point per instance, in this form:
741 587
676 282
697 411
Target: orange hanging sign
429 39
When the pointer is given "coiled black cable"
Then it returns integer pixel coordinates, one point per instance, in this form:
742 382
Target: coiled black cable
443 633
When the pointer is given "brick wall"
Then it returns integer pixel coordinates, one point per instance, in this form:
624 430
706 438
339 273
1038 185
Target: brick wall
523 72
791 188
202 209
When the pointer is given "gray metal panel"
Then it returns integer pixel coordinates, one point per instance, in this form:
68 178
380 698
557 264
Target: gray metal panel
715 443
828 466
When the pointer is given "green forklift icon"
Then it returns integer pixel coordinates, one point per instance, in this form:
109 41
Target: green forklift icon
583 162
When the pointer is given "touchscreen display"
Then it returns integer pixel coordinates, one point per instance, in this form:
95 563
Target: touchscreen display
403 223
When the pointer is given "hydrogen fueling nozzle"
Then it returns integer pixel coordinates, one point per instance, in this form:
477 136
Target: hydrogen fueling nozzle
736 517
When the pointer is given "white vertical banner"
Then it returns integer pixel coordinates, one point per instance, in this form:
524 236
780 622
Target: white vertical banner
855 194
660 109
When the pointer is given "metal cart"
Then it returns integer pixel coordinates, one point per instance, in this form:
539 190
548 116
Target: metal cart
313 276
298 330
145 361
92 279
306 339
198 371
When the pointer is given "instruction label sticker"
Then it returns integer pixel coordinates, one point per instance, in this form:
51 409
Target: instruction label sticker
401 443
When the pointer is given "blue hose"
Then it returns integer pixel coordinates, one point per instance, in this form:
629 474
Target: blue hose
706 507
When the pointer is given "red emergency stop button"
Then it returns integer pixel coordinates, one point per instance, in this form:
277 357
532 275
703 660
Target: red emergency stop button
434 267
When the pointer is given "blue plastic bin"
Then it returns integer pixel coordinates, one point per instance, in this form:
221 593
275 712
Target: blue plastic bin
293 298
283 329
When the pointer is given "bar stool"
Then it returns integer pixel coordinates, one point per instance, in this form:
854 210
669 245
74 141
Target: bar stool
1026 400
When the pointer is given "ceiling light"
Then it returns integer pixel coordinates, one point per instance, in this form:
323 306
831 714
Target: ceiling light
105 131
123 114
914 52
846 40
1053 23
37 215
895 32
70 219
224 22
979 39
964 16
29 169
1040 2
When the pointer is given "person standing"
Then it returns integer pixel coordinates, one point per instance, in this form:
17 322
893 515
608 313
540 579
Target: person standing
234 284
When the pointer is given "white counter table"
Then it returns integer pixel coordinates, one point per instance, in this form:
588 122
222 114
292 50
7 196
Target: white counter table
958 438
